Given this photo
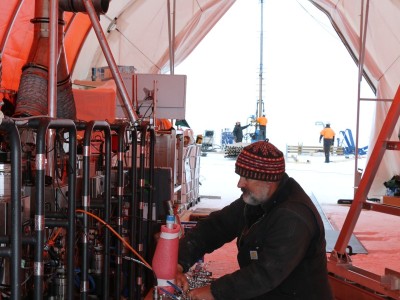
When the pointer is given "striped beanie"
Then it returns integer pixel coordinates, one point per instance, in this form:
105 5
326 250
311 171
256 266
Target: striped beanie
261 161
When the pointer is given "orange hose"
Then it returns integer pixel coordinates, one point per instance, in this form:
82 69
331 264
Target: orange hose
126 244
54 237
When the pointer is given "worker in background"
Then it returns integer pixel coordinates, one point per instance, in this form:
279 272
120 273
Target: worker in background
279 231
262 122
329 138
238 132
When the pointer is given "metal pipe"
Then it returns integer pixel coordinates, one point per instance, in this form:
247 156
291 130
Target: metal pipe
376 99
363 37
368 177
110 60
171 35
133 289
53 58
38 269
151 201
141 192
5 252
121 130
72 153
84 288
16 182
51 223
6 239
56 215
260 75
52 82
93 126
42 125
107 202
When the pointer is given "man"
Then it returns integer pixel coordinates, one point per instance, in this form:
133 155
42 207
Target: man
280 236
329 137
262 122
238 132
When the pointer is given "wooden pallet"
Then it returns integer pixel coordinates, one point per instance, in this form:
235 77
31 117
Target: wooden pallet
311 150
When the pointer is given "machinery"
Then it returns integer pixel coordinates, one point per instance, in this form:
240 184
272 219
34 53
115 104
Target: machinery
89 227
81 202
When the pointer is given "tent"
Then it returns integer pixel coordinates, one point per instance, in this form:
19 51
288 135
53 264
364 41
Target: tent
369 31
140 34
137 32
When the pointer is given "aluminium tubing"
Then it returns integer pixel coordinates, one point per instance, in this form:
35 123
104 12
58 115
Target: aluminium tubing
150 199
16 182
121 130
140 198
38 268
84 288
93 126
5 239
133 289
42 125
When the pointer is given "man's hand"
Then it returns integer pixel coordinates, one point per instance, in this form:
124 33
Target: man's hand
203 293
181 279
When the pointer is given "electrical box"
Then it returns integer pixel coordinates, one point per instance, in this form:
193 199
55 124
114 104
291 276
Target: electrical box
168 91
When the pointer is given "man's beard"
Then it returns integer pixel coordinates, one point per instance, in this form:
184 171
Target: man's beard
248 197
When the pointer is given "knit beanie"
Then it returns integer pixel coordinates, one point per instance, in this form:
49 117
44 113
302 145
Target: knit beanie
261 161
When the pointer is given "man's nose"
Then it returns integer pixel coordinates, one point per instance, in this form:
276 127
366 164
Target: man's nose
241 183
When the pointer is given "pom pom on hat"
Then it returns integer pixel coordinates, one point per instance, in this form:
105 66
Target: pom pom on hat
261 161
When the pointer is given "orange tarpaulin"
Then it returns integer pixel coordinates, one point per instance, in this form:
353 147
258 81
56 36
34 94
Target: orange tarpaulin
96 103
137 33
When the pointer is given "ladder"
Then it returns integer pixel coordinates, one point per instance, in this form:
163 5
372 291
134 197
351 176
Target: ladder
339 262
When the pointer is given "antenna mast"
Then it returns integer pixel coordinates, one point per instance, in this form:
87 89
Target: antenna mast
260 75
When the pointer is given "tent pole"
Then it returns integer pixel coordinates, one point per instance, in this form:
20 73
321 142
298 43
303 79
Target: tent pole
52 82
171 35
110 60
260 96
363 37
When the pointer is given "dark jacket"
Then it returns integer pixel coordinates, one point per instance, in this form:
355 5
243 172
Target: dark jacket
285 237
238 132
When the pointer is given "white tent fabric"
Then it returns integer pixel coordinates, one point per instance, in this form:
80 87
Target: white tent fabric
381 62
138 33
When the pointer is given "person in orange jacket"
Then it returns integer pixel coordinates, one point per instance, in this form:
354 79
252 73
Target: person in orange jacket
262 122
329 138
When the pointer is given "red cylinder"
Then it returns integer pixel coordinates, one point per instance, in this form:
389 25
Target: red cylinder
165 259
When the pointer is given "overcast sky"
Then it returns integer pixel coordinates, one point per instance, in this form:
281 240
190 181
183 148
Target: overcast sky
308 74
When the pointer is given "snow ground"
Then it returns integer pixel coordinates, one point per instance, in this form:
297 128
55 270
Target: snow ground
328 182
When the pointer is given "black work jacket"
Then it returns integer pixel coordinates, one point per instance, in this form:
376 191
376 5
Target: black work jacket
281 247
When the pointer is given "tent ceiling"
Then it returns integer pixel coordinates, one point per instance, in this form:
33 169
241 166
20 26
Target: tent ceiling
381 62
136 30
139 37
382 39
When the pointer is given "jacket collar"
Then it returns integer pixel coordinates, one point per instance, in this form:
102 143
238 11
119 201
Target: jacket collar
278 195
